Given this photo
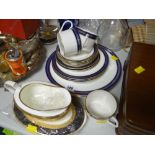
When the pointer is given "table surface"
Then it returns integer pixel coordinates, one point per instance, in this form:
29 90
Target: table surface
8 120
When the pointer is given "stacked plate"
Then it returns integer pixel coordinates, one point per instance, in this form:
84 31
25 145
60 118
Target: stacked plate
68 122
84 73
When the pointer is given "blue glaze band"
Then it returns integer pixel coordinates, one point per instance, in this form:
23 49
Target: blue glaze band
78 39
87 76
107 87
84 33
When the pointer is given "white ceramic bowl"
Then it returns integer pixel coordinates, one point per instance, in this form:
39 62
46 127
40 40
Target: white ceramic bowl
101 105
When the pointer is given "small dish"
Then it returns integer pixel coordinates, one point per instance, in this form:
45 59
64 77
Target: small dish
40 98
101 105
48 34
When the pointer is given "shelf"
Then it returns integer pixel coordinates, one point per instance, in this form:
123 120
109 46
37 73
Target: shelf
9 121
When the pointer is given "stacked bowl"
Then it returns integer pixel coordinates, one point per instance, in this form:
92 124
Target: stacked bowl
48 108
80 64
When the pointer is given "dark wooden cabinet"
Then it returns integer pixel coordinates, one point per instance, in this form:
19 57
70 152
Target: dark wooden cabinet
137 107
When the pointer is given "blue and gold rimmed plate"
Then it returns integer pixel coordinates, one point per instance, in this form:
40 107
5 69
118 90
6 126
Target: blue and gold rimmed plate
106 81
69 123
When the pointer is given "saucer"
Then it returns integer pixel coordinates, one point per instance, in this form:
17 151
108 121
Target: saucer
73 121
80 57
78 64
106 81
82 75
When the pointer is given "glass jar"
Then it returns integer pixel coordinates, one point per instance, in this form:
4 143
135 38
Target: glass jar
112 33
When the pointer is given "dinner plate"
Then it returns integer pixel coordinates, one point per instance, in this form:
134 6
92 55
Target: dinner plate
73 121
106 81
82 75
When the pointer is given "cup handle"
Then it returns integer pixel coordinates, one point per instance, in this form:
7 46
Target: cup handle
85 41
10 86
67 21
113 121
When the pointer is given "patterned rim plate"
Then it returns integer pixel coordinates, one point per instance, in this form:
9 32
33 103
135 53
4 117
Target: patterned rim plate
92 73
73 126
83 88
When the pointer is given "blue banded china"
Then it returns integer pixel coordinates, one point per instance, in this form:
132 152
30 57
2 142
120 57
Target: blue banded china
78 39
90 35
104 87
81 78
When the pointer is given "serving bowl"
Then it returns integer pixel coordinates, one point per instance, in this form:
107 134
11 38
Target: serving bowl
40 98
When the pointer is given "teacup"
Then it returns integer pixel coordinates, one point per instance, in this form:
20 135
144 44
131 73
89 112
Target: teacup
39 98
72 42
88 39
102 105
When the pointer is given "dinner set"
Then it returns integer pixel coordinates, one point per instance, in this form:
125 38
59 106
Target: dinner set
107 73
82 66
79 67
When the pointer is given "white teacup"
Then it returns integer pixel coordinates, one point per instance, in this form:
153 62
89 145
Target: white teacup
102 105
88 39
39 98
74 40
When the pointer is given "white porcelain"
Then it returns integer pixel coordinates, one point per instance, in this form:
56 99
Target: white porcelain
87 43
67 41
81 56
97 83
85 72
101 105
72 43
40 98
